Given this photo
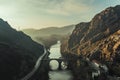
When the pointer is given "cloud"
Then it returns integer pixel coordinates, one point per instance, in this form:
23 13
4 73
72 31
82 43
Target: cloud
54 7
73 7
50 12
65 7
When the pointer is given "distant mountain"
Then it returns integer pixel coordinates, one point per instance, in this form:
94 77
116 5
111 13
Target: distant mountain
97 40
18 52
50 31
49 36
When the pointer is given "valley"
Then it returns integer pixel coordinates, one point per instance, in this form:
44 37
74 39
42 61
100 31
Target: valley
83 51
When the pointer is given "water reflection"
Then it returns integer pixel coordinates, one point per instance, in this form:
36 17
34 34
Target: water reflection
54 65
58 75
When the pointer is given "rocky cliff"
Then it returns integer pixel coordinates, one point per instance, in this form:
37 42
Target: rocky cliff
98 39
18 53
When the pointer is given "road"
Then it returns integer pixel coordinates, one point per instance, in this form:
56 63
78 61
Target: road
29 75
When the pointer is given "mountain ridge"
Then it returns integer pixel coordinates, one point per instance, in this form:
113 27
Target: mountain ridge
49 36
49 30
18 52
97 40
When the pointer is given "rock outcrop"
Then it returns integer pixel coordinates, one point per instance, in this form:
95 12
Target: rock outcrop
98 39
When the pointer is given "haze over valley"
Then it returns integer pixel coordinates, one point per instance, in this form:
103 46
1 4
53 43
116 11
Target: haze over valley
60 40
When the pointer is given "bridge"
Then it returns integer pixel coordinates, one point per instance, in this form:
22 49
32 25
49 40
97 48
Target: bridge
59 60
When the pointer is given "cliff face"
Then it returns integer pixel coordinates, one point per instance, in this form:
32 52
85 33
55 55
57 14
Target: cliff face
98 39
18 53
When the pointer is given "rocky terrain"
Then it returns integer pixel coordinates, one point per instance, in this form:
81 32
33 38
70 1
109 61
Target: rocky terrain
18 53
97 40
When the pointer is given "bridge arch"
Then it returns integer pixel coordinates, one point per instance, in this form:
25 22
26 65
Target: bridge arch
60 63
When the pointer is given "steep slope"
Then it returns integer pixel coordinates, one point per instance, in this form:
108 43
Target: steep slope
98 39
11 36
18 53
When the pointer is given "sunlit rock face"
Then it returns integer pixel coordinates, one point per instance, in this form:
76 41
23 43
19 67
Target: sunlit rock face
98 39
18 53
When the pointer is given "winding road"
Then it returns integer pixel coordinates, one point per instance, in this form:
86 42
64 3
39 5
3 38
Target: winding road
29 75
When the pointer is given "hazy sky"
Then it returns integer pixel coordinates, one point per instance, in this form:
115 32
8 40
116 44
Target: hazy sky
49 13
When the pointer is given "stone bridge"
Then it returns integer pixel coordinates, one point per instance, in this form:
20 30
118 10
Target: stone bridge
59 60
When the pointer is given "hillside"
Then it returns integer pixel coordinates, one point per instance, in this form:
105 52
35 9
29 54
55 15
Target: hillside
49 31
97 40
49 36
18 52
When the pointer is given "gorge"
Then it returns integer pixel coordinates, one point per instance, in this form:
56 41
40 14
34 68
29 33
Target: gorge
91 50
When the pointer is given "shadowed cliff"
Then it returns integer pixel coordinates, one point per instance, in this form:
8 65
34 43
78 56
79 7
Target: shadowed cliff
18 53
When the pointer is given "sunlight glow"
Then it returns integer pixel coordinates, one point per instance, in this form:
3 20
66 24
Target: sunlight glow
47 13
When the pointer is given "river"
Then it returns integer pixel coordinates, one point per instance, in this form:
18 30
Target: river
57 75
